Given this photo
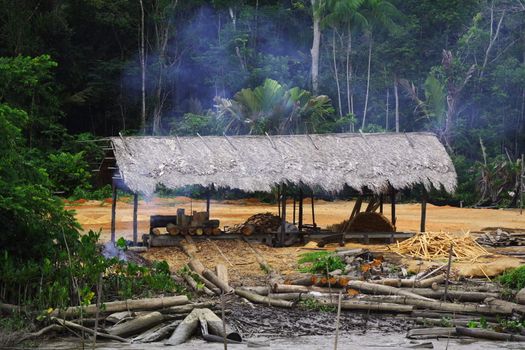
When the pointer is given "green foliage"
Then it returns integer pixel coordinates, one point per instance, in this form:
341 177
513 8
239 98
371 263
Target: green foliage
512 325
320 262
191 124
514 278
67 172
316 305
101 193
272 108
481 323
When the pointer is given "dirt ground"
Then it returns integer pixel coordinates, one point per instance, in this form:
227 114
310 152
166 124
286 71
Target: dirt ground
96 215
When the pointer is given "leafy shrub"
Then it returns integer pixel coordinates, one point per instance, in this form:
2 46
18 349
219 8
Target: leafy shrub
68 171
320 262
514 278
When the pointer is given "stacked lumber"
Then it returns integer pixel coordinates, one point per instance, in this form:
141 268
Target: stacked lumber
436 245
500 238
258 223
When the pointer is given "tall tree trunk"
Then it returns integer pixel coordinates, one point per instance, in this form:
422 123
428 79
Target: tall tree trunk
367 80
336 74
396 93
349 96
142 55
387 108
316 43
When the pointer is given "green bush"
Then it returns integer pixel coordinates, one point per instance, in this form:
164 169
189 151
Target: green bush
68 171
514 278
320 262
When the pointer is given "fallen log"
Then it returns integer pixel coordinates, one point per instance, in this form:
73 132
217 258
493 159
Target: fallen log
157 334
259 299
385 290
217 327
137 324
301 281
50 328
195 287
442 306
124 305
118 317
197 267
186 309
189 325
453 294
426 283
506 305
431 333
184 330
9 308
486 334
289 288
222 273
68 324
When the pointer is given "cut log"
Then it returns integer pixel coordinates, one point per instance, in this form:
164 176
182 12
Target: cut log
186 309
290 288
259 299
156 231
196 265
505 305
248 229
436 305
370 306
71 325
305 280
431 333
385 290
172 229
520 296
216 326
131 305
10 308
212 277
118 317
486 334
195 287
222 273
456 295
190 324
184 330
426 283
158 333
137 324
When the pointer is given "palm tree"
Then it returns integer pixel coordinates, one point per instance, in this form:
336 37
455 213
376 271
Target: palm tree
378 13
272 108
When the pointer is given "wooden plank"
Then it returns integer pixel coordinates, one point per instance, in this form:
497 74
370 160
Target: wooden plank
113 210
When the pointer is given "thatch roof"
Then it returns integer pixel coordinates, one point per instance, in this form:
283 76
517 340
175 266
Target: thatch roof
256 163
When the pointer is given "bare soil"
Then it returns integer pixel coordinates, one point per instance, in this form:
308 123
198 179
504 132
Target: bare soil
96 215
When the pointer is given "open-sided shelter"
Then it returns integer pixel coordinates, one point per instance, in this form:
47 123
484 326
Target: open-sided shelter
379 163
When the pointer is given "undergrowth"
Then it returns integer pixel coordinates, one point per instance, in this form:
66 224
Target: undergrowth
514 278
320 262
316 305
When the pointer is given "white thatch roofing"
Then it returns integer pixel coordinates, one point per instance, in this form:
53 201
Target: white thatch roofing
256 163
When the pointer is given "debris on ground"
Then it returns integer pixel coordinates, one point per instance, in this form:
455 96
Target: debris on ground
436 246
258 223
500 238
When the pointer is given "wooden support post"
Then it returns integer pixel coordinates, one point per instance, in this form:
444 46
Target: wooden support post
113 210
313 211
393 204
423 210
208 197
381 203
283 218
300 210
279 200
293 216
135 223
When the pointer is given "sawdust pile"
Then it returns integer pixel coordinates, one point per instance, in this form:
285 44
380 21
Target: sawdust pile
436 246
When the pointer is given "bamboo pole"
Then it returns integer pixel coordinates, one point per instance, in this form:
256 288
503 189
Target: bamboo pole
113 210
135 222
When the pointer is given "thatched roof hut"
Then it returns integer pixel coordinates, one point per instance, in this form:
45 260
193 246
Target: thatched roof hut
256 163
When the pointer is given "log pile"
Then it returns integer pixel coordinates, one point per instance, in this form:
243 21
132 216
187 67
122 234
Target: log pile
436 246
258 223
143 321
500 238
